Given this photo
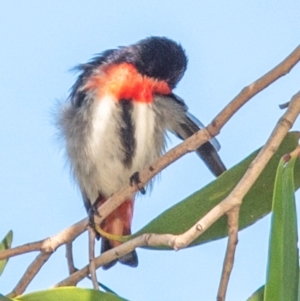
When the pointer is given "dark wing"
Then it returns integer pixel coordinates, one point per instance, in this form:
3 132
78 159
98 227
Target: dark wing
183 124
208 151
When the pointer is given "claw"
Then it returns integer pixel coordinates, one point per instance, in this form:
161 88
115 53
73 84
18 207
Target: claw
91 213
135 180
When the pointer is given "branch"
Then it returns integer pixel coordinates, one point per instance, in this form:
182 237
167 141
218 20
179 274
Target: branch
29 274
232 201
70 260
30 247
92 267
233 228
108 256
49 244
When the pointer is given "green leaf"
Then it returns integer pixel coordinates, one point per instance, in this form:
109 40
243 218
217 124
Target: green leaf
283 265
299 287
69 294
256 204
4 245
258 295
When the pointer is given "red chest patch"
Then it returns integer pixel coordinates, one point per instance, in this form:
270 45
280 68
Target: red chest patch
123 81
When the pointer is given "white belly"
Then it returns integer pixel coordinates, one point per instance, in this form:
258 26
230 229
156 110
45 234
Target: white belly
108 173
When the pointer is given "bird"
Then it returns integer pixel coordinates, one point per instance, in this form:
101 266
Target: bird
116 120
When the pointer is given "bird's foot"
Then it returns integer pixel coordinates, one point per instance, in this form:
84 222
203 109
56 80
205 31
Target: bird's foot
135 180
91 214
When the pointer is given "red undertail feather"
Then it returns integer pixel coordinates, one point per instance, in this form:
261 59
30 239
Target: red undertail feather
119 223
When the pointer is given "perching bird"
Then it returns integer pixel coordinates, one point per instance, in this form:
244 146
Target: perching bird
115 123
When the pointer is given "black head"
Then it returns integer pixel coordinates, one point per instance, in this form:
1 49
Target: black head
156 57
161 58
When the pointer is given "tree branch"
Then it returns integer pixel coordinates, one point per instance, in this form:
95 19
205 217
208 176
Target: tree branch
233 228
30 247
233 200
29 274
48 245
70 260
92 266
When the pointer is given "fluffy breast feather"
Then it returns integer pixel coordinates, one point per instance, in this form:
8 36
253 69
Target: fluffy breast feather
93 134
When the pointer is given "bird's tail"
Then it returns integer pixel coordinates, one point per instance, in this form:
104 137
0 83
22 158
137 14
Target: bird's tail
210 156
119 223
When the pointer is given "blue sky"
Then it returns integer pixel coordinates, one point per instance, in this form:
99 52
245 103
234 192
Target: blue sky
229 45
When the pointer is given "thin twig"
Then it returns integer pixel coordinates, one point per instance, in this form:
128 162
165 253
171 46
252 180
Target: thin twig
92 266
233 200
69 256
108 256
26 248
29 274
49 244
233 228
